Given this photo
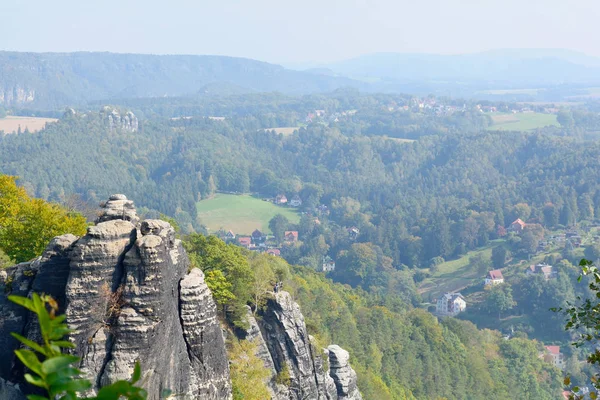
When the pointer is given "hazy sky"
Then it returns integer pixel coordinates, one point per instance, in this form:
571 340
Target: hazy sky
298 31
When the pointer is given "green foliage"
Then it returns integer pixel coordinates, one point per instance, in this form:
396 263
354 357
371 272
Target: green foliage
283 376
583 321
4 260
398 352
248 372
278 225
27 225
219 286
210 253
499 256
55 372
499 299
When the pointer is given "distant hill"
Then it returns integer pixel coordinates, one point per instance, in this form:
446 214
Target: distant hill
513 67
50 80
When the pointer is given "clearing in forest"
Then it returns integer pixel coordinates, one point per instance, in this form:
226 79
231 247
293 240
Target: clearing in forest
11 124
284 130
240 213
522 121
455 275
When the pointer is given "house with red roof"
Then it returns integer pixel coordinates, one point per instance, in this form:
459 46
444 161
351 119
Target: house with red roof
245 241
547 271
274 252
494 277
290 236
554 356
517 226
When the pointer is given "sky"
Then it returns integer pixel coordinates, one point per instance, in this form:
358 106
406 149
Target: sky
302 31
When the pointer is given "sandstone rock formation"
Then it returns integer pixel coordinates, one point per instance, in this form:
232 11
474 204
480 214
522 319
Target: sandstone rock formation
127 294
16 95
283 343
114 119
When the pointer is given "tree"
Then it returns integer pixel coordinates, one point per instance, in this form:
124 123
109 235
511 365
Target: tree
264 280
278 225
210 253
522 211
565 118
220 287
499 299
248 372
27 225
499 256
550 215
479 263
592 252
583 320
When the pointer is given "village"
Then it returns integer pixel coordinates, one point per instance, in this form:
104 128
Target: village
263 242
568 240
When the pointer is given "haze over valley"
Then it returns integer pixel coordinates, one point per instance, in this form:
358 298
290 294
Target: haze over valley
280 201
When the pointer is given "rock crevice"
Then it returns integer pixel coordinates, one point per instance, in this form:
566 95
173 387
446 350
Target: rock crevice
127 295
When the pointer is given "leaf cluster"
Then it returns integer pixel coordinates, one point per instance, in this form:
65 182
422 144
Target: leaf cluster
54 371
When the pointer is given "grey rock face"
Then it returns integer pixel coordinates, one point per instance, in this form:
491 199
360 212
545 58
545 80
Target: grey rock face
127 294
9 391
114 119
118 208
341 372
16 95
283 333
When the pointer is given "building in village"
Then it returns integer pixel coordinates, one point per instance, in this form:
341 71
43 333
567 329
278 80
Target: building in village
494 277
545 270
281 199
450 304
328 264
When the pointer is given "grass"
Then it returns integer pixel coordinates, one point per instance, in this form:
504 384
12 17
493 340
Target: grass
454 275
522 121
11 124
240 213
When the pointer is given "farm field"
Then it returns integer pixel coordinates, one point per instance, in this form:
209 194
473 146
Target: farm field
522 121
284 130
240 213
453 275
11 124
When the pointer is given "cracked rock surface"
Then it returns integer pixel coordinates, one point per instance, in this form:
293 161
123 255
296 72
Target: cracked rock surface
127 294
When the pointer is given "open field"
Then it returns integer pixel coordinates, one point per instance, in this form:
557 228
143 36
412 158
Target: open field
531 92
240 213
522 121
453 275
284 130
33 124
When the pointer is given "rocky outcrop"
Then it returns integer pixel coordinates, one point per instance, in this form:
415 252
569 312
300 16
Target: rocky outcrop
16 95
343 375
283 343
114 119
128 297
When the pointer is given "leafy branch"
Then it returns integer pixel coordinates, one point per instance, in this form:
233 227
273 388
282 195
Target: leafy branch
55 372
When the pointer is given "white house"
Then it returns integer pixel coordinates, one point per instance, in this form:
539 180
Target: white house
281 199
494 278
555 357
450 304
328 264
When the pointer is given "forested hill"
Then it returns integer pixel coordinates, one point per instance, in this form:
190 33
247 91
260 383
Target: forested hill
49 80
